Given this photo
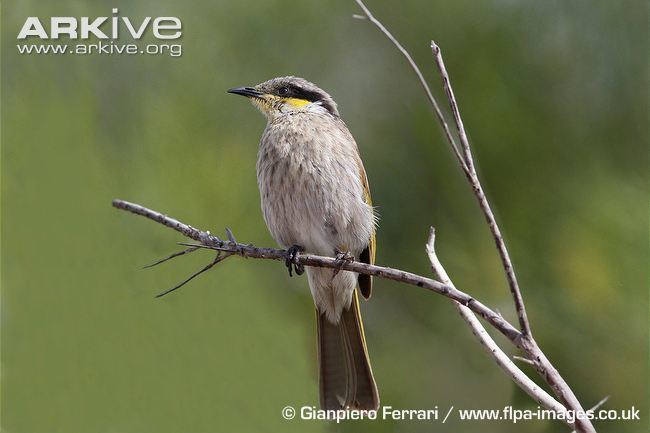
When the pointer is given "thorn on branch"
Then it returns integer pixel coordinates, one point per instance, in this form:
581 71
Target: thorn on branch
231 237
523 359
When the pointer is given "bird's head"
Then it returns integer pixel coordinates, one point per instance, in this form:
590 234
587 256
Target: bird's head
288 95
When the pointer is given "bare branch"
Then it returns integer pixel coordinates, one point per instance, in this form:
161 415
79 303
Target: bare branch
189 231
251 251
482 199
519 377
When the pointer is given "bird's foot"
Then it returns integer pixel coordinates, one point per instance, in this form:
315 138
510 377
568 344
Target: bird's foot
291 261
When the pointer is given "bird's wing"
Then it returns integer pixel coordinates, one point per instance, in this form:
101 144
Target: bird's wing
368 254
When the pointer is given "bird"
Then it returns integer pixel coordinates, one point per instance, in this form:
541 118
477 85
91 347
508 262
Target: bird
315 199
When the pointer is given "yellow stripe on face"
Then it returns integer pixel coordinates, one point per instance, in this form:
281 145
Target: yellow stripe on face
297 102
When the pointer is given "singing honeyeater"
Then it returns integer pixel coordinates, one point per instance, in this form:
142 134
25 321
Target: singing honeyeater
315 199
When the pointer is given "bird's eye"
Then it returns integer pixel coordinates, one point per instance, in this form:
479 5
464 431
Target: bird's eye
283 91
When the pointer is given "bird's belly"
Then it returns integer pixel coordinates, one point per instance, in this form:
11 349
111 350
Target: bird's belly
302 206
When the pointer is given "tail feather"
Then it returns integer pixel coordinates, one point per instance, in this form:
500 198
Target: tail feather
346 379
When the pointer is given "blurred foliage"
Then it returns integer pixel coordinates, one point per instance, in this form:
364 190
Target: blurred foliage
554 96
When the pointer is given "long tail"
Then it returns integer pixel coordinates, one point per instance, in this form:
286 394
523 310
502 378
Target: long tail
346 379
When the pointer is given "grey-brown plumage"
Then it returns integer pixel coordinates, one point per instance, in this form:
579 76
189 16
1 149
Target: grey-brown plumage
315 196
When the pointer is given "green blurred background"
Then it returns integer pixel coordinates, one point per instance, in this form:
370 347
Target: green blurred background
553 95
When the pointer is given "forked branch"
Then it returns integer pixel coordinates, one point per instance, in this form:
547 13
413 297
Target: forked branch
463 154
502 360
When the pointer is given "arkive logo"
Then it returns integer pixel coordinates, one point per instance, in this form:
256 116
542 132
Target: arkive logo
108 30
82 28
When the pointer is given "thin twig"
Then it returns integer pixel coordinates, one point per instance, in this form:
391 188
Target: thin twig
460 128
423 82
481 197
600 403
231 237
204 237
171 256
217 259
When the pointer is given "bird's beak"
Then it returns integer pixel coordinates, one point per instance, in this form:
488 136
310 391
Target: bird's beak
246 91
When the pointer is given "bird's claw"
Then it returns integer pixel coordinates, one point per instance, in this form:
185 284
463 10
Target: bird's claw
291 261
